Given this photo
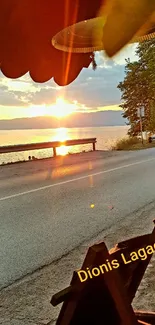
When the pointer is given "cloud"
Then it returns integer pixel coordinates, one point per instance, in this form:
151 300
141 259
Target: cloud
97 88
91 89
8 98
127 52
119 59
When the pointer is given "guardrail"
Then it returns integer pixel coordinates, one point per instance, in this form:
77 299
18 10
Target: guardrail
45 145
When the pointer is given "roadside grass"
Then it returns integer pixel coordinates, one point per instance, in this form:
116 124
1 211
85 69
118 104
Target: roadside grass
132 143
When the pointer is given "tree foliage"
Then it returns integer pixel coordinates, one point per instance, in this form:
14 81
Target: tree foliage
138 88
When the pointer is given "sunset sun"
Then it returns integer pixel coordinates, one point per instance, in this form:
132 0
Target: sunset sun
62 108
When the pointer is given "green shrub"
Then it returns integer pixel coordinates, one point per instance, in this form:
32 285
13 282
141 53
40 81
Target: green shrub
126 143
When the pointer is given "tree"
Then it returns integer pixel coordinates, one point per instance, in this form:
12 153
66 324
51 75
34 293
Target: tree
138 88
151 122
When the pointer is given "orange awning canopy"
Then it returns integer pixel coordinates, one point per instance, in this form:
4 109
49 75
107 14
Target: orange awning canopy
26 30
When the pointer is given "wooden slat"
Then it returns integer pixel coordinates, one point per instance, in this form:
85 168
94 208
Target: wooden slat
145 316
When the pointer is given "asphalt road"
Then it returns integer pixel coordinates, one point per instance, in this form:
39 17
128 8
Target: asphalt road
46 213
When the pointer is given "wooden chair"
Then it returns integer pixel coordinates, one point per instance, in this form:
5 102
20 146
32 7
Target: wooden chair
106 299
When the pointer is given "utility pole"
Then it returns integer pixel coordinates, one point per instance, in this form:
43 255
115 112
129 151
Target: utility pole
140 120
141 124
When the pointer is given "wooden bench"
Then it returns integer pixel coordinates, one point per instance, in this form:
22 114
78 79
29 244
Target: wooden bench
106 299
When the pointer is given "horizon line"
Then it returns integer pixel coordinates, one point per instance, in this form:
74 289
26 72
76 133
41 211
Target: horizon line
52 116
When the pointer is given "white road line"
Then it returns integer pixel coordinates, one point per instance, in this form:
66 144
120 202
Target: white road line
74 179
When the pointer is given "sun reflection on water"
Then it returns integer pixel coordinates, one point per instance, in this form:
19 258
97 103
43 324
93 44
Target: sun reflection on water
63 151
61 135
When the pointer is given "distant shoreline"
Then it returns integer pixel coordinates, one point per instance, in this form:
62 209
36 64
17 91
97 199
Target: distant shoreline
77 120
63 127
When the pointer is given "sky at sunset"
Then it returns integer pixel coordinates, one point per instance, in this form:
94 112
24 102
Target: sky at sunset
91 91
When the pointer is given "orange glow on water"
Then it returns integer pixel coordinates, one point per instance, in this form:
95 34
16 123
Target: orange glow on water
63 150
61 135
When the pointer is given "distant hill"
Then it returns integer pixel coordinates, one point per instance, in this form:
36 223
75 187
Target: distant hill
103 118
